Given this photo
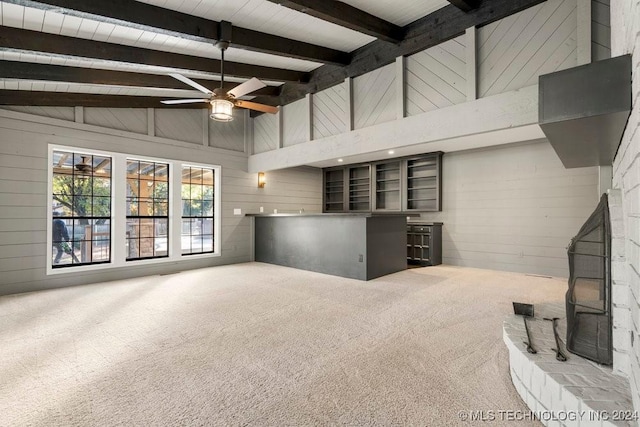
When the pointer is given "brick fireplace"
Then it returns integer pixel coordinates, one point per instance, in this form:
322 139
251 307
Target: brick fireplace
578 390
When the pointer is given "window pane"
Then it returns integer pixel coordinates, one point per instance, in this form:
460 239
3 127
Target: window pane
102 166
146 228
82 185
146 248
207 177
82 206
133 250
196 192
161 190
102 206
160 208
186 207
162 172
132 188
146 170
132 206
207 192
145 207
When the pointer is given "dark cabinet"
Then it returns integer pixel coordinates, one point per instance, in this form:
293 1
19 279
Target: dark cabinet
424 243
409 184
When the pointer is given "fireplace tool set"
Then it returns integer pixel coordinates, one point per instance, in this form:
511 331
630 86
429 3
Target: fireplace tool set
526 311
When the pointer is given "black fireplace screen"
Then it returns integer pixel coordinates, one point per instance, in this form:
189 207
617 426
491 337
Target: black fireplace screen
589 326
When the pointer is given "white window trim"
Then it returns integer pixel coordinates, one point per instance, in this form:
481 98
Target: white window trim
119 214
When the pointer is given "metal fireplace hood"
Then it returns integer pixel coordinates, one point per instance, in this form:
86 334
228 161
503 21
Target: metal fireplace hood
583 110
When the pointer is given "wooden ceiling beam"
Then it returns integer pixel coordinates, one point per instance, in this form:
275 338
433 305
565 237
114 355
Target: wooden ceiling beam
166 21
60 73
465 5
431 30
69 99
345 15
15 38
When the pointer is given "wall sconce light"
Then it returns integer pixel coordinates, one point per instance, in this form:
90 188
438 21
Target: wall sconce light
261 180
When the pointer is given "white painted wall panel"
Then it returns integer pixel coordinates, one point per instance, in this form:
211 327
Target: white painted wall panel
181 125
295 123
23 199
514 51
436 77
128 119
229 135
513 208
265 133
374 97
625 39
62 113
600 30
330 111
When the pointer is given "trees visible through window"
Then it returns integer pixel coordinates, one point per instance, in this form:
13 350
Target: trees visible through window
81 206
147 209
197 210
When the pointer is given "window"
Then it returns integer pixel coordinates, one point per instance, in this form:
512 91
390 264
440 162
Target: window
147 209
197 210
151 210
81 209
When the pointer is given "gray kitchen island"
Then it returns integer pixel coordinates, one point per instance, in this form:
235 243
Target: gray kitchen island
358 246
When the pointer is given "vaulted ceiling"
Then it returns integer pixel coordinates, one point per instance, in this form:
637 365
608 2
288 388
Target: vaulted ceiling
120 53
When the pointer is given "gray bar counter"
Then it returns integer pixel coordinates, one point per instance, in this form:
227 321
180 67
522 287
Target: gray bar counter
357 246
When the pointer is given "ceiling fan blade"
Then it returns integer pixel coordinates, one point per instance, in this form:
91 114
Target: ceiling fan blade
246 87
183 101
191 83
255 106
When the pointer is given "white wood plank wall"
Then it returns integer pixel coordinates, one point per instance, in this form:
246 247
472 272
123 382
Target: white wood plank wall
295 123
513 208
600 30
229 135
23 196
265 133
62 113
181 125
330 111
128 119
514 51
374 97
436 77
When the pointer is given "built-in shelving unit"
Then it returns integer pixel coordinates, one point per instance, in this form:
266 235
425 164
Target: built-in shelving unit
360 188
334 190
387 183
423 186
411 184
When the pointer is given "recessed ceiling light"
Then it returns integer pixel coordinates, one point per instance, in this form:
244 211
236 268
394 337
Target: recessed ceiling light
340 160
391 151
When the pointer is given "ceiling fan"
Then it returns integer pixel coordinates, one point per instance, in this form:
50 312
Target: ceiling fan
222 102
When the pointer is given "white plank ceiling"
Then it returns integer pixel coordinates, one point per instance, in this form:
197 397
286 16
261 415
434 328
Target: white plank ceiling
258 15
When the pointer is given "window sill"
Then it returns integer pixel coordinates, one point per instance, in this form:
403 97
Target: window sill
128 264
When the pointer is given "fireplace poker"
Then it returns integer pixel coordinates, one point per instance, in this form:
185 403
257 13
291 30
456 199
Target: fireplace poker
525 310
559 354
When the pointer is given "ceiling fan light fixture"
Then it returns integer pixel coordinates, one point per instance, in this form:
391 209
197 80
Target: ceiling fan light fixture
221 110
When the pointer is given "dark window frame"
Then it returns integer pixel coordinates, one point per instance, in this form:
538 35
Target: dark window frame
154 217
75 174
202 216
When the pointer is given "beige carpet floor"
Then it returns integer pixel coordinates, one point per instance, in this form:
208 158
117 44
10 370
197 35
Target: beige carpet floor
257 344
